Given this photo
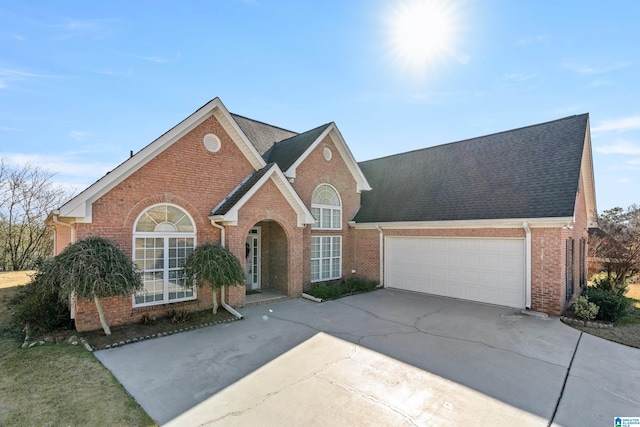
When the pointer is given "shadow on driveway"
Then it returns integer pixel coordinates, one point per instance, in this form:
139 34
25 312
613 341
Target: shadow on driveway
384 358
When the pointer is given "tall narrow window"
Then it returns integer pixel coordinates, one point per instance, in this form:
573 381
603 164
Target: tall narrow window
326 208
326 258
163 237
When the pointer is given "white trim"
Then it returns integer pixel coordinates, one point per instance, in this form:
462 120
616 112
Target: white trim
343 149
165 235
586 173
497 238
527 265
331 258
331 207
473 223
80 206
277 177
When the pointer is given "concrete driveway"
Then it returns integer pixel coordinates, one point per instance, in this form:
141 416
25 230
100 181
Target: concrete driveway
383 358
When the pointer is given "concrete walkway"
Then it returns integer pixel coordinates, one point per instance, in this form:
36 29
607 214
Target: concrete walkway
383 358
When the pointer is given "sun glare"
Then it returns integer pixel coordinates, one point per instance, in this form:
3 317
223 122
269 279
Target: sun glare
420 32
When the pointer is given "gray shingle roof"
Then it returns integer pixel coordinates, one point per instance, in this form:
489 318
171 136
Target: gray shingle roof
286 152
261 135
242 189
531 172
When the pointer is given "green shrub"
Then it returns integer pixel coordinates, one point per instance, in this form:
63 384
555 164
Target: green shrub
39 307
354 285
613 306
584 309
603 282
358 284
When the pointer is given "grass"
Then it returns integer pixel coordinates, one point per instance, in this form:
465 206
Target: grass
634 292
627 330
10 279
58 384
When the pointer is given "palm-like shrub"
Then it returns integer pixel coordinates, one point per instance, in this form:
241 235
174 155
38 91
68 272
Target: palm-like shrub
214 266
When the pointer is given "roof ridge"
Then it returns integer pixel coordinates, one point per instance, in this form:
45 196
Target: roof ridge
476 137
302 133
263 123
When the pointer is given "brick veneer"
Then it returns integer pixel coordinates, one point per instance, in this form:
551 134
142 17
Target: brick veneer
548 254
311 173
169 178
187 175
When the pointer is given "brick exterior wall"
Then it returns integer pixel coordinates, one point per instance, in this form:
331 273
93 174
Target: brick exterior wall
548 255
311 173
188 175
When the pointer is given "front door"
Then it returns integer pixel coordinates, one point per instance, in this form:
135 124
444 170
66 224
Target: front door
253 260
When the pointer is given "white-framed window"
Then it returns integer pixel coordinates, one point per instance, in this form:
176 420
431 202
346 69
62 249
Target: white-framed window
326 208
326 258
163 236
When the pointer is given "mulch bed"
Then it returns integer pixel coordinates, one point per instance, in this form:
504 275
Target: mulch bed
163 326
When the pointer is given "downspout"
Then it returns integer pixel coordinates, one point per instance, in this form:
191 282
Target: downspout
72 297
73 229
222 301
527 264
381 257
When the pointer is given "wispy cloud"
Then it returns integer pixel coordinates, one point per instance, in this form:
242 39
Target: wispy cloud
94 28
79 136
598 83
10 129
619 147
66 166
589 69
620 124
567 109
158 59
623 180
8 75
529 40
18 37
129 72
520 77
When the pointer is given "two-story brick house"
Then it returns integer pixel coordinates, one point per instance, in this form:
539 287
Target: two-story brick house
500 219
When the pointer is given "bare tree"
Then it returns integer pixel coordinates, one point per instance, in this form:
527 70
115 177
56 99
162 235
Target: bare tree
27 195
617 245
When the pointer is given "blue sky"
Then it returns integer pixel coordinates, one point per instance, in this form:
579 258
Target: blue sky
83 83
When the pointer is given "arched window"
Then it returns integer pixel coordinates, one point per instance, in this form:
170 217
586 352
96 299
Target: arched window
326 208
163 236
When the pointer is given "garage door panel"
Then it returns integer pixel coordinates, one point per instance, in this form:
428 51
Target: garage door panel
485 270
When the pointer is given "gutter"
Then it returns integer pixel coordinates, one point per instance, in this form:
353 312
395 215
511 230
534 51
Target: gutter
381 256
56 220
223 303
527 263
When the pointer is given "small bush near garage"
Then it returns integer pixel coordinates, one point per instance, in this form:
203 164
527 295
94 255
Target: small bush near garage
613 305
585 309
354 285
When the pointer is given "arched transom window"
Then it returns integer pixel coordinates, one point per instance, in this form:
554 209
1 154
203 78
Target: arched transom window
326 208
163 236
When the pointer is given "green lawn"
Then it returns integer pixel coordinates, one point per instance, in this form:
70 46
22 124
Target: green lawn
59 385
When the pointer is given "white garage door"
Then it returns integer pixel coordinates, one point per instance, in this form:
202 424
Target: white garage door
477 269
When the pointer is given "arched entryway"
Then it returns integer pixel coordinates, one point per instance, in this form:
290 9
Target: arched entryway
266 261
